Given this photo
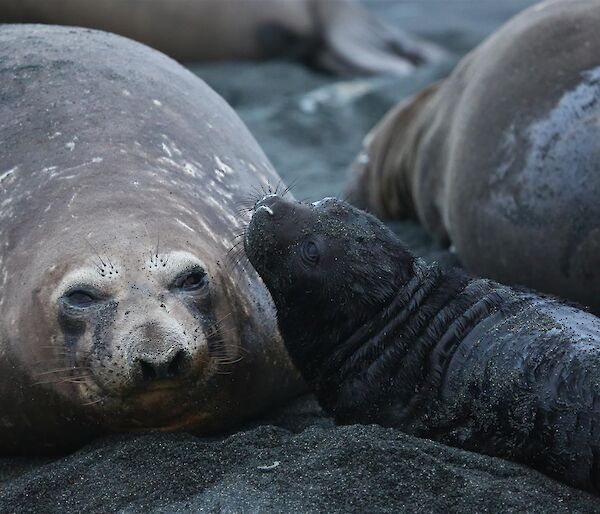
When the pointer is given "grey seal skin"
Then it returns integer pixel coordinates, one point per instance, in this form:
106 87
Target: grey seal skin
121 176
500 159
337 35
381 337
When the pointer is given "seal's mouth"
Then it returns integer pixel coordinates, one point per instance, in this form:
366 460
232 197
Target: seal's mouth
154 407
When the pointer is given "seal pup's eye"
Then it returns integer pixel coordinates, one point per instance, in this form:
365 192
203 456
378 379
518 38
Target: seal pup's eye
191 280
310 253
80 299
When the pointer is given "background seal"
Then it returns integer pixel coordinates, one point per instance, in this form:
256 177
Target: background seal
337 35
500 159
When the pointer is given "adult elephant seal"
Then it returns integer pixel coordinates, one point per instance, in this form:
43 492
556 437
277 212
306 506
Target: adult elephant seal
121 175
383 338
501 158
337 35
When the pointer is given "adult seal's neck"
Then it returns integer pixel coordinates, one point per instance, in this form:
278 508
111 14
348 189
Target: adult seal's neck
394 362
383 173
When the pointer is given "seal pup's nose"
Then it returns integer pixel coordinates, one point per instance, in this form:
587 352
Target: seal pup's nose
272 205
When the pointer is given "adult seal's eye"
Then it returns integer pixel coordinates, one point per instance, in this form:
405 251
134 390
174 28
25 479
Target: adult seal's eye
80 299
310 253
191 281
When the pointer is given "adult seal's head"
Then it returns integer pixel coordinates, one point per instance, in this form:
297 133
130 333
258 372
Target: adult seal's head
328 266
121 178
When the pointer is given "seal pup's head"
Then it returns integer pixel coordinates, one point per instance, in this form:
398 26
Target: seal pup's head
328 266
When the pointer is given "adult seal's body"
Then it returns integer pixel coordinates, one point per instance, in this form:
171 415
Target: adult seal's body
383 338
121 178
501 158
337 35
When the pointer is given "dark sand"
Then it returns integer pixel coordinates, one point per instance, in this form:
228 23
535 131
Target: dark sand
297 461
294 462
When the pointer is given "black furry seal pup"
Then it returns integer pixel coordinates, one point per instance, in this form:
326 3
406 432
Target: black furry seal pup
381 337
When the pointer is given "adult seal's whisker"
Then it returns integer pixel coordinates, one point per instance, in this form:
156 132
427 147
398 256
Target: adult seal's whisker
62 370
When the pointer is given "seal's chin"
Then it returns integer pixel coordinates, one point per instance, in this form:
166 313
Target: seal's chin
160 409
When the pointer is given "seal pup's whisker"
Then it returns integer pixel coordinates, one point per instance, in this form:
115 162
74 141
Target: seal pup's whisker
242 262
243 212
236 259
279 184
290 186
233 258
237 244
256 192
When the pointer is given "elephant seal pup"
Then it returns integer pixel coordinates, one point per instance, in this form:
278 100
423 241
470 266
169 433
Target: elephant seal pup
121 175
383 338
501 158
338 35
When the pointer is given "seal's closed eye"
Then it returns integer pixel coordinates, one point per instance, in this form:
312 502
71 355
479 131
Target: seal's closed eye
80 298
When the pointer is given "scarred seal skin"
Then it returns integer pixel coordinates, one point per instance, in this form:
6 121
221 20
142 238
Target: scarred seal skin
383 338
121 176
337 35
501 158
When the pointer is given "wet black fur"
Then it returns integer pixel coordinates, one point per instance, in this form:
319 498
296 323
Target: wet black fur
383 338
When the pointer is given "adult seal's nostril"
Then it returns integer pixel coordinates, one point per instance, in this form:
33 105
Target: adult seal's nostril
170 365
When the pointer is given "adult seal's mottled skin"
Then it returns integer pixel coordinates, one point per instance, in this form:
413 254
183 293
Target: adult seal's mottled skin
121 174
501 158
383 338
337 35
